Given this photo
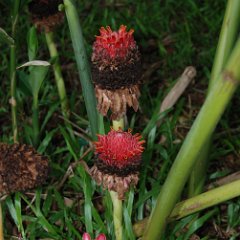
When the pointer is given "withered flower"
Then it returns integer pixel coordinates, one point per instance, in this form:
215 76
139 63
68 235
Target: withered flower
117 160
21 168
116 70
45 14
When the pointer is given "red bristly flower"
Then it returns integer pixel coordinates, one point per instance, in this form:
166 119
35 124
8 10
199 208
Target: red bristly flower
117 161
114 45
119 149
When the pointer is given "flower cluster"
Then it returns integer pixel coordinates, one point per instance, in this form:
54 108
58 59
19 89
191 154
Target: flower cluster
117 160
116 71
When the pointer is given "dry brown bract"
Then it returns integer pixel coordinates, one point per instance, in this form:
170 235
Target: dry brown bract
117 100
21 168
119 184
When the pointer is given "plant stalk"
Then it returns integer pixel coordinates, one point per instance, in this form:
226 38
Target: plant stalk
202 129
13 100
35 121
12 67
227 39
58 73
197 203
82 64
226 42
117 204
117 215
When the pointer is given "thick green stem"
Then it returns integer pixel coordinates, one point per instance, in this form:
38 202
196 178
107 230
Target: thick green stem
35 121
117 215
117 204
197 203
202 129
226 42
198 174
82 64
58 74
227 39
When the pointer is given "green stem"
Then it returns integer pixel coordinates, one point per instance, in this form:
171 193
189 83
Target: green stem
198 174
227 39
197 203
82 64
202 129
226 42
58 74
13 71
117 204
118 124
117 215
35 121
13 92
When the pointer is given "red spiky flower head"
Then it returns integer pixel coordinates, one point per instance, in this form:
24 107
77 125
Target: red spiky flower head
116 71
113 46
118 159
45 14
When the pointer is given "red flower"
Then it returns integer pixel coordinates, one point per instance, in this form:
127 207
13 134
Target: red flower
116 71
117 162
113 44
119 149
101 236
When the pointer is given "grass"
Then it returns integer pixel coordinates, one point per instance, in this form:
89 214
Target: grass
176 33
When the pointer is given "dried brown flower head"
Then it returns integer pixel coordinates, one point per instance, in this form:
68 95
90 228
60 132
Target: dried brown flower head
45 14
21 168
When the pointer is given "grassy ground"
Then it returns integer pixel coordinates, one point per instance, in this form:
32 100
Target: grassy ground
171 34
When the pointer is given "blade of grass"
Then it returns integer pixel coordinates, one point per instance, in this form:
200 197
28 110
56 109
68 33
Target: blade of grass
201 130
58 74
82 64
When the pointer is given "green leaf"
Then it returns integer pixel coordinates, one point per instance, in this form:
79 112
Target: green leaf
44 143
36 77
5 38
32 43
35 63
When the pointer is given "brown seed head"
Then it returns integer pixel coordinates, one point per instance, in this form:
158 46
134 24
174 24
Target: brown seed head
21 168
